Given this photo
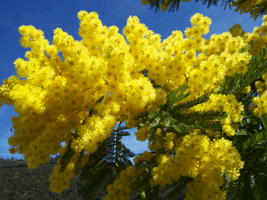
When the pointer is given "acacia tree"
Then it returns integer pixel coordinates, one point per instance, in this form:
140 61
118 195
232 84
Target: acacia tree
172 125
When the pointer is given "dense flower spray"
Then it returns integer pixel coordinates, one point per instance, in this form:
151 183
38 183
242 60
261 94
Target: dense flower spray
56 95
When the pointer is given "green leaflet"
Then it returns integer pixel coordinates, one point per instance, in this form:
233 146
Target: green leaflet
66 158
191 118
176 96
259 136
240 2
108 161
181 128
200 120
264 120
152 136
78 163
234 188
178 187
123 133
68 154
209 125
155 122
167 122
100 100
174 110
260 183
248 47
149 193
254 139
143 194
181 122
95 180
120 165
95 159
142 115
152 119
141 183
227 180
255 163
110 177
257 153
241 132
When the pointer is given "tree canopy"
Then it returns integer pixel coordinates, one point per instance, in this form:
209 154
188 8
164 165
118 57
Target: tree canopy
254 7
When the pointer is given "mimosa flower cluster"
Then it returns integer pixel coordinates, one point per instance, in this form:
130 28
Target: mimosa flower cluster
55 96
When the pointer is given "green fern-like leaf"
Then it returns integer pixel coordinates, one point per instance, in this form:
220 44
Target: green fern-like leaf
181 127
254 139
178 187
263 117
141 183
260 182
175 96
111 156
174 110
66 158
95 180
153 118
201 119
78 163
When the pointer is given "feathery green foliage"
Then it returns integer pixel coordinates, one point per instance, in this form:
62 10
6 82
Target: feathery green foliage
66 158
176 96
236 83
68 154
104 165
249 139
176 3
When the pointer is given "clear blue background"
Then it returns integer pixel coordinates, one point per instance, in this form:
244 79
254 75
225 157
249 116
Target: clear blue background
48 15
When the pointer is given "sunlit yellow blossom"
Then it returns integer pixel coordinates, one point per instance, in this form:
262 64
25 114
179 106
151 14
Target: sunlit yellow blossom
99 83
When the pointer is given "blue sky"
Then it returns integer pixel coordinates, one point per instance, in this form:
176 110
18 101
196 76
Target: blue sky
48 15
